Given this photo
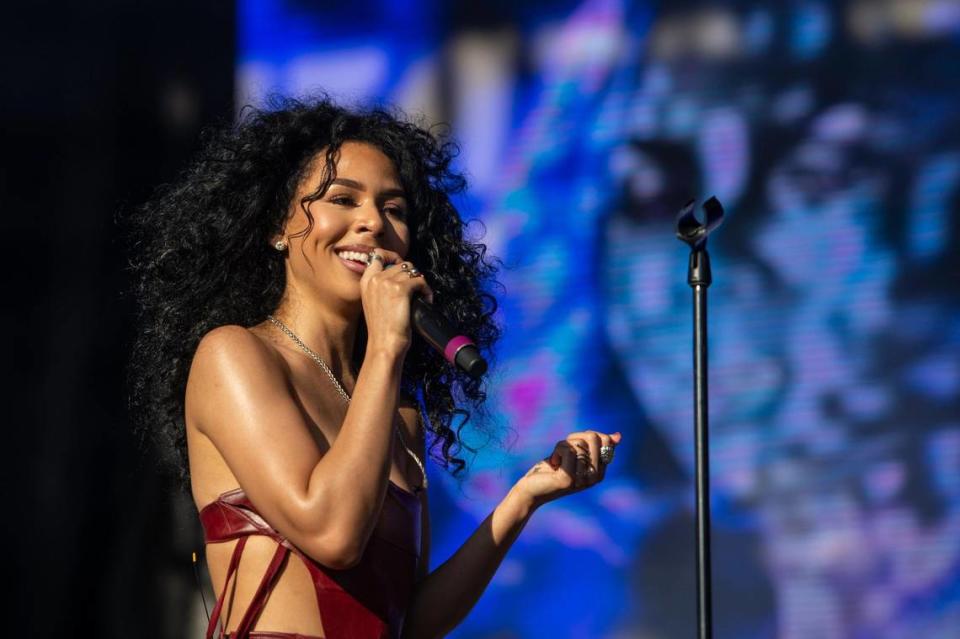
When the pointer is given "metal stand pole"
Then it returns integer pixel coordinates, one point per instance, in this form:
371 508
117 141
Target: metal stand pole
694 232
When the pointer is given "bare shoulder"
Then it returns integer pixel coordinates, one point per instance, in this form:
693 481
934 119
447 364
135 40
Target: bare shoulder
231 359
232 343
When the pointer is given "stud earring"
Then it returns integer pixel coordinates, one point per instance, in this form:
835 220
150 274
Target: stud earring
280 245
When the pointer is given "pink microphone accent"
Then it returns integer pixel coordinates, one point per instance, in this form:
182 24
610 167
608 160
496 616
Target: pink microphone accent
454 345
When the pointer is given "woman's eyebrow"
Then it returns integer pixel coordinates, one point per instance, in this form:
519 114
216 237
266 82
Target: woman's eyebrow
353 184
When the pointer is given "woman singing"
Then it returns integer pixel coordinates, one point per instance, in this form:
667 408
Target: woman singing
276 366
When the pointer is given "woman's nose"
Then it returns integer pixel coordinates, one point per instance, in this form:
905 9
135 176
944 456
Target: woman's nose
370 218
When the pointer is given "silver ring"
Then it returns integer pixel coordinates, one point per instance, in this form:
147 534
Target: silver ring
375 256
414 272
606 454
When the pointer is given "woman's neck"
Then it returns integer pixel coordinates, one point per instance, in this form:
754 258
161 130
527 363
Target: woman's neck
329 334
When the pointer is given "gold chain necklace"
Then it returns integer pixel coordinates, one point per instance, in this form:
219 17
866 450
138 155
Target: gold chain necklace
339 387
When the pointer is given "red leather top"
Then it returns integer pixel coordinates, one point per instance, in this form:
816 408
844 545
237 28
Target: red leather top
368 601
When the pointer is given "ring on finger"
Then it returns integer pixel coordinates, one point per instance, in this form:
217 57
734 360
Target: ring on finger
606 454
414 272
375 256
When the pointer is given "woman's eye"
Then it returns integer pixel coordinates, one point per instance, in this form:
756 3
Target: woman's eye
401 213
343 200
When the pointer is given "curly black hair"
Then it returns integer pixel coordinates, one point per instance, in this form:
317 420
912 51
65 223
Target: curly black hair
200 257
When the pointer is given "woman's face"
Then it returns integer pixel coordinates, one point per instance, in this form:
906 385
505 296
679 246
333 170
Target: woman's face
365 207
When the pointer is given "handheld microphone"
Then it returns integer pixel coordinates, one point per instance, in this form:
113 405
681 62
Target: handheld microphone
458 349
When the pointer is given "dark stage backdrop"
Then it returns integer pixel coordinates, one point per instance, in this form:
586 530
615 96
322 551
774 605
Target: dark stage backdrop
100 103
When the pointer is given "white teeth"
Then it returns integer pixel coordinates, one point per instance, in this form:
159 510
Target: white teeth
355 256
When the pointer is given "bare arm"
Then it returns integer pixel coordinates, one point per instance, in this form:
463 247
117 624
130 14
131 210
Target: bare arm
447 595
327 505
444 598
239 396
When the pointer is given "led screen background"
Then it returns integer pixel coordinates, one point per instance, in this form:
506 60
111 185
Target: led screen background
830 132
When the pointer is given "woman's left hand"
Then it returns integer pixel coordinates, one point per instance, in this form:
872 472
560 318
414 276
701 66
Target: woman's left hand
575 464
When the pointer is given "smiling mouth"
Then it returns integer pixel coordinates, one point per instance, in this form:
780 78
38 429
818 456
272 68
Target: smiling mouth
354 260
355 256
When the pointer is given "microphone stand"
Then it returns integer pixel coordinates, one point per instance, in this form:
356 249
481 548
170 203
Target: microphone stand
695 233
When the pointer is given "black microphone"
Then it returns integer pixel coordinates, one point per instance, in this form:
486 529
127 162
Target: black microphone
458 349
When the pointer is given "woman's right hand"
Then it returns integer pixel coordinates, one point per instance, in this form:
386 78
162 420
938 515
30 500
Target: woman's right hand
386 290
